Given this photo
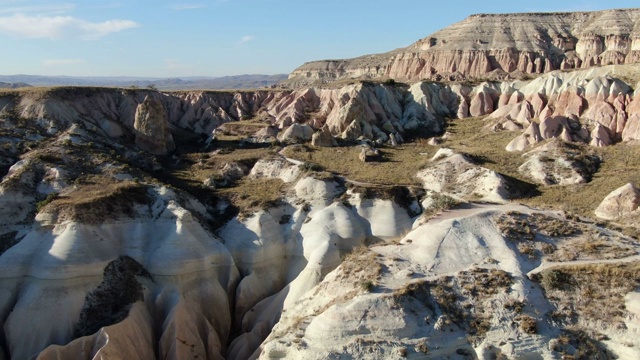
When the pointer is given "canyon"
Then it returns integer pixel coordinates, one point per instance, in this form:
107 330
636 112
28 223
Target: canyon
346 217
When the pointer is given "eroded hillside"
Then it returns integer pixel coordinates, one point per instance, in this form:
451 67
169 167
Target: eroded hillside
496 46
487 220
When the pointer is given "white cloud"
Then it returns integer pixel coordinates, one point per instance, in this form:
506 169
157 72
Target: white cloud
62 62
51 9
246 38
58 27
188 7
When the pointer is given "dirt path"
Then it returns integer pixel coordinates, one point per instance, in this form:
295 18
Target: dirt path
558 264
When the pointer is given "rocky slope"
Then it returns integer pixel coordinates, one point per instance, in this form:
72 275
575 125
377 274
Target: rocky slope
132 227
495 45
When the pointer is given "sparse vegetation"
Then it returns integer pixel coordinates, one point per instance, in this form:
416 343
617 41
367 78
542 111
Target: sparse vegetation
254 194
527 324
97 199
399 166
41 204
591 294
464 299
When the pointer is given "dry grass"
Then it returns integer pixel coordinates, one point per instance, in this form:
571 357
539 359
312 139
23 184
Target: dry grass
620 165
486 148
96 199
528 231
398 166
591 294
538 235
249 195
360 267
464 299
591 246
580 344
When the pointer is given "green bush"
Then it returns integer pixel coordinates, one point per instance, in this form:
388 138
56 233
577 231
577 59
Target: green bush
41 204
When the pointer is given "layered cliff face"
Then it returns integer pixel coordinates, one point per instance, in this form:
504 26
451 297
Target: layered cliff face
494 45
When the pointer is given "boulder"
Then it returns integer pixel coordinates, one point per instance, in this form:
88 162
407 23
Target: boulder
621 202
234 170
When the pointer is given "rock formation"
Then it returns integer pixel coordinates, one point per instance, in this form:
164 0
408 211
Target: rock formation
453 174
619 203
152 127
487 45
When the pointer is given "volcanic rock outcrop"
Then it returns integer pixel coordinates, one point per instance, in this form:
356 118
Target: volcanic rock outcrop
495 45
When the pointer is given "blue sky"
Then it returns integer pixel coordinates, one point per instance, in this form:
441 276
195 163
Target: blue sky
223 37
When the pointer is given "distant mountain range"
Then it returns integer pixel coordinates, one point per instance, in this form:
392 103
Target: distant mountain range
4 85
187 83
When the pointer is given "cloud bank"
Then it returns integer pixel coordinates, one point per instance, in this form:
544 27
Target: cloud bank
60 27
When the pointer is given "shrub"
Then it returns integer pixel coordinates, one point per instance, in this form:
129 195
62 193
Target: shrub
528 324
367 285
554 279
41 204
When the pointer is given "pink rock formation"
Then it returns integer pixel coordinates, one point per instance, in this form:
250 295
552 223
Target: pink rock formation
530 137
481 104
485 45
600 136
631 131
569 104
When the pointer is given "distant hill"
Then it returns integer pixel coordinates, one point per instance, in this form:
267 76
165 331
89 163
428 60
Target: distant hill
4 85
190 83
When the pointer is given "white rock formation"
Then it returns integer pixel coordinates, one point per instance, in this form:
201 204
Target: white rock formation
455 175
619 203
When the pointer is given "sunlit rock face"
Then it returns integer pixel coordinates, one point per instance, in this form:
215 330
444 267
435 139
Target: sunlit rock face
494 45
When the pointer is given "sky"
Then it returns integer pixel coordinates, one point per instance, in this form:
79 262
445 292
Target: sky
158 38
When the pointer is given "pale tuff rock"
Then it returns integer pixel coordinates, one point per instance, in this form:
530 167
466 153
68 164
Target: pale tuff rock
484 44
323 138
234 171
317 192
109 342
619 203
57 268
151 127
530 137
555 164
296 133
609 117
552 127
275 168
453 174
